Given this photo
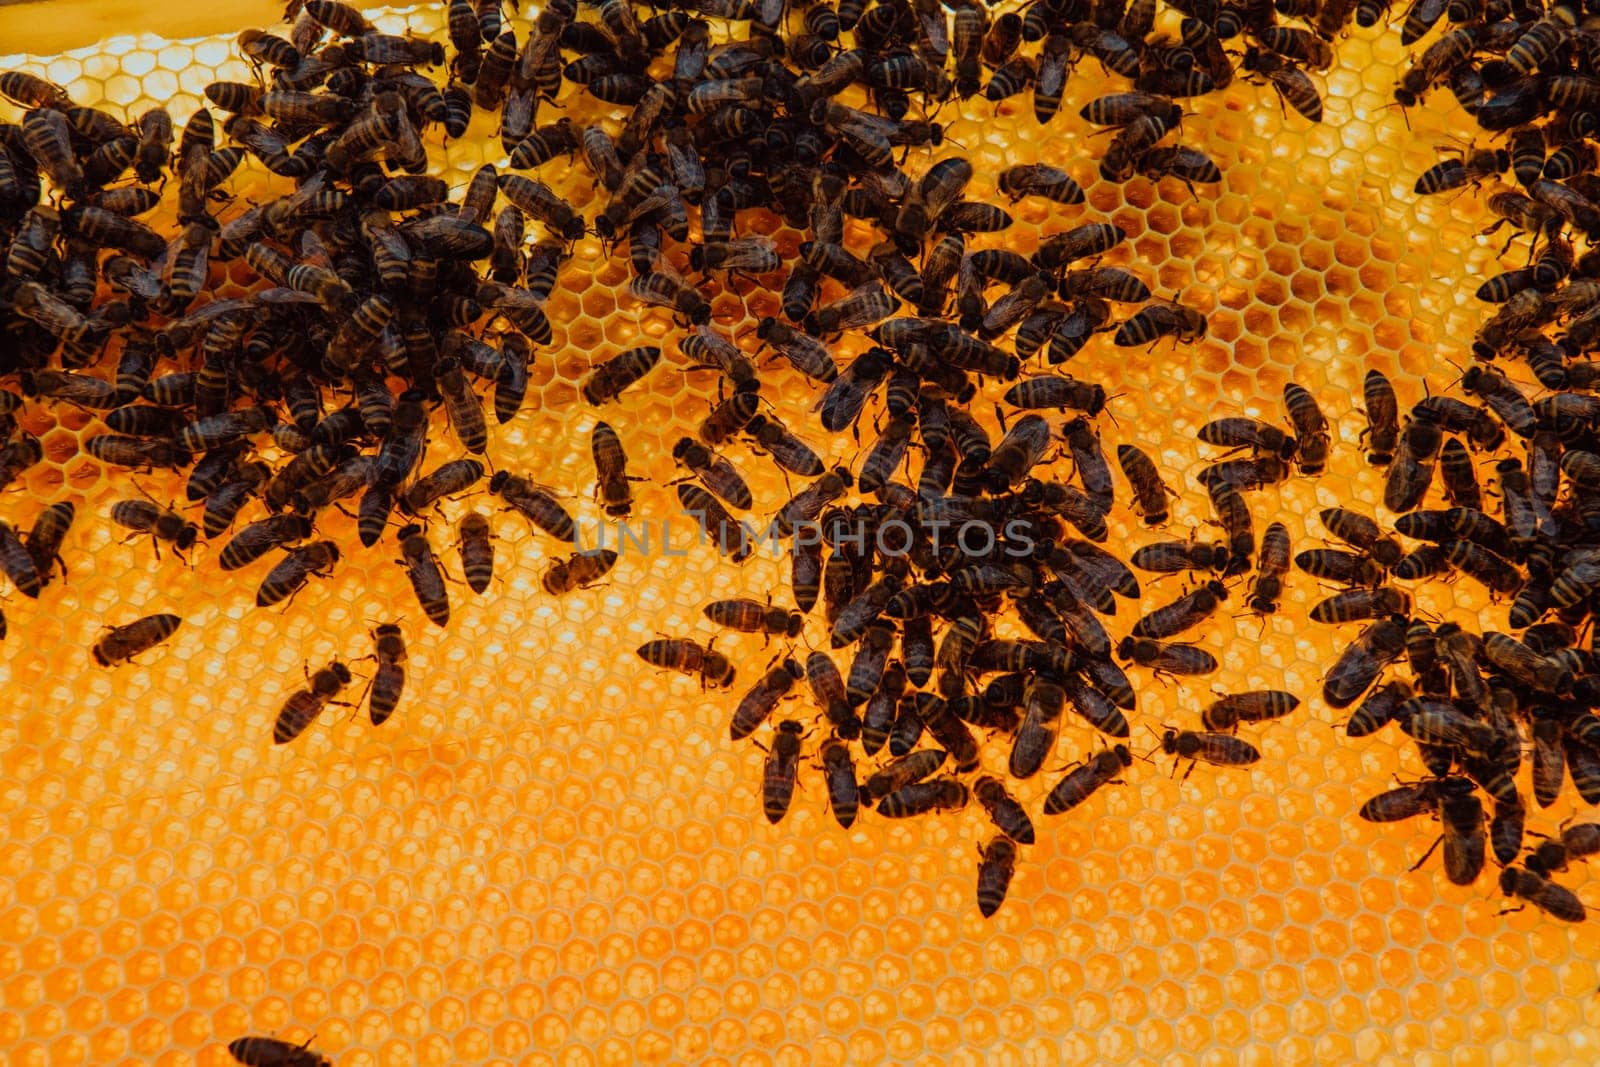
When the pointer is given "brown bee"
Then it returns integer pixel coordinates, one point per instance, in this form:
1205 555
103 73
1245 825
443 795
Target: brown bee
579 571
839 771
448 479
122 643
1310 427
1266 587
389 682
787 450
295 569
1150 492
1337 565
262 536
1552 899
919 798
1293 85
1167 658
1186 612
608 379
44 540
1256 706
1363 660
758 703
1241 432
1219 750
426 576
780 770
1464 837
476 547
996 863
270 1052
687 657
1411 471
1170 557
755 617
1006 813
1081 783
1041 724
1354 605
715 472
301 709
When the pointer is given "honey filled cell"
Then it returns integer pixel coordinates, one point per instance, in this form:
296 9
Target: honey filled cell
549 848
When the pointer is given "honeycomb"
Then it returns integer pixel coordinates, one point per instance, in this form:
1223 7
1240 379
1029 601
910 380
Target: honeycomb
551 854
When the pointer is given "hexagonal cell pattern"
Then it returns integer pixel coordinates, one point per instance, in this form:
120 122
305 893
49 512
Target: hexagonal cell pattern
553 855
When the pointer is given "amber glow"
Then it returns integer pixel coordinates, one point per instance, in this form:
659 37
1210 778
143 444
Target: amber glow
552 854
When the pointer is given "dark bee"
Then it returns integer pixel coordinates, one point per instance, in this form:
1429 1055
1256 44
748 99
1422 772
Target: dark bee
1464 170
1042 180
1082 782
1416 453
1150 492
688 657
1266 587
1411 800
1464 837
612 485
270 1052
1219 750
448 479
758 703
1186 612
997 862
1363 660
1459 475
260 537
389 648
608 379
839 772
302 709
714 471
1167 658
1156 321
781 768
160 523
1059 391
1170 557
1041 724
1354 605
292 572
1310 427
1550 898
1256 706
121 643
920 798
1006 813
578 571
728 533
476 547
44 540
426 576
755 617
787 450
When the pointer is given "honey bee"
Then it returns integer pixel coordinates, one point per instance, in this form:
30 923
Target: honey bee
270 1052
1266 587
1552 899
609 378
781 768
1219 750
1042 180
44 540
1413 799
1150 492
1354 605
688 657
1363 660
1245 474
121 643
302 709
1167 658
715 472
476 547
389 682
292 572
920 798
1170 557
1241 432
1416 453
579 571
1130 145
1156 321
1293 85
1182 614
755 617
426 576
1081 783
758 703
1258 705
839 771
997 862
787 450
124 451
861 307
1041 724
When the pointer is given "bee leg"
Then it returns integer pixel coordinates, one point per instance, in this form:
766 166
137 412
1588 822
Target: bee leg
1436 843
1192 765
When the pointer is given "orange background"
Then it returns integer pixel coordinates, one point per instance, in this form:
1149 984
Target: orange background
552 854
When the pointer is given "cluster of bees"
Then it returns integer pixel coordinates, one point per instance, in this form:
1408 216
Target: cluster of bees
376 285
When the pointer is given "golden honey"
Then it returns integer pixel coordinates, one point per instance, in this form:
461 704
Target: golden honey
552 855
